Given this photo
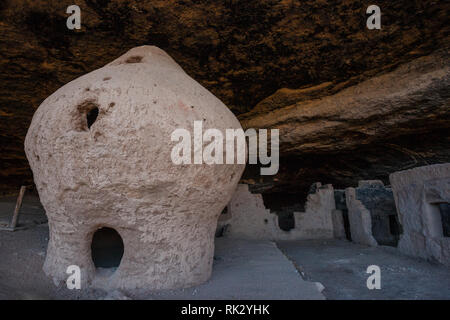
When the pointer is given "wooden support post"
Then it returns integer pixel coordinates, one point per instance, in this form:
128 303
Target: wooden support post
17 208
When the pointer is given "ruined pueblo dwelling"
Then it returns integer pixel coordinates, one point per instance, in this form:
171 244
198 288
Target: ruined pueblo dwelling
356 122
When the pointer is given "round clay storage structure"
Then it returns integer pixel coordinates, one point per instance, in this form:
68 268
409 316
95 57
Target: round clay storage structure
100 151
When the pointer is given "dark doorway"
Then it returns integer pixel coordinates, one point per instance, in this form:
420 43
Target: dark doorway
106 248
346 220
286 220
444 208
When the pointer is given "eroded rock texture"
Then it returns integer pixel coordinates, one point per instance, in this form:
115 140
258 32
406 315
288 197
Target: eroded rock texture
396 120
100 150
271 58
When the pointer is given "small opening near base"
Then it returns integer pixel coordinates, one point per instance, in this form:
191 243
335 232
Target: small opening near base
106 248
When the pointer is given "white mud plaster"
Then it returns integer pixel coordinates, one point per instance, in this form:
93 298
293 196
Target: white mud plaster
378 200
418 193
118 172
360 219
247 218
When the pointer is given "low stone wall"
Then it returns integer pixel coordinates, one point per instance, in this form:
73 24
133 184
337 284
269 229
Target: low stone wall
413 214
419 194
247 217
369 213
360 219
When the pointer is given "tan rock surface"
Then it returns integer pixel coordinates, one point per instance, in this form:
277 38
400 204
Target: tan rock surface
243 52
397 103
390 122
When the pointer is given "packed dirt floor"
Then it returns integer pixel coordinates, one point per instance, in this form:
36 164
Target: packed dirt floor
326 269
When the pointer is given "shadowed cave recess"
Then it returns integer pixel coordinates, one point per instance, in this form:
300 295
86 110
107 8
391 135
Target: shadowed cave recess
257 57
256 66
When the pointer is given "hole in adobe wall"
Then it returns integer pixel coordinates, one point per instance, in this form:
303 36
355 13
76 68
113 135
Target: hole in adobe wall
134 59
437 219
91 116
444 209
86 114
106 248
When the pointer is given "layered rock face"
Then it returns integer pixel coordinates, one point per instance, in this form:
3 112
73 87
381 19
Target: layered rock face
364 127
383 106
275 59
100 150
